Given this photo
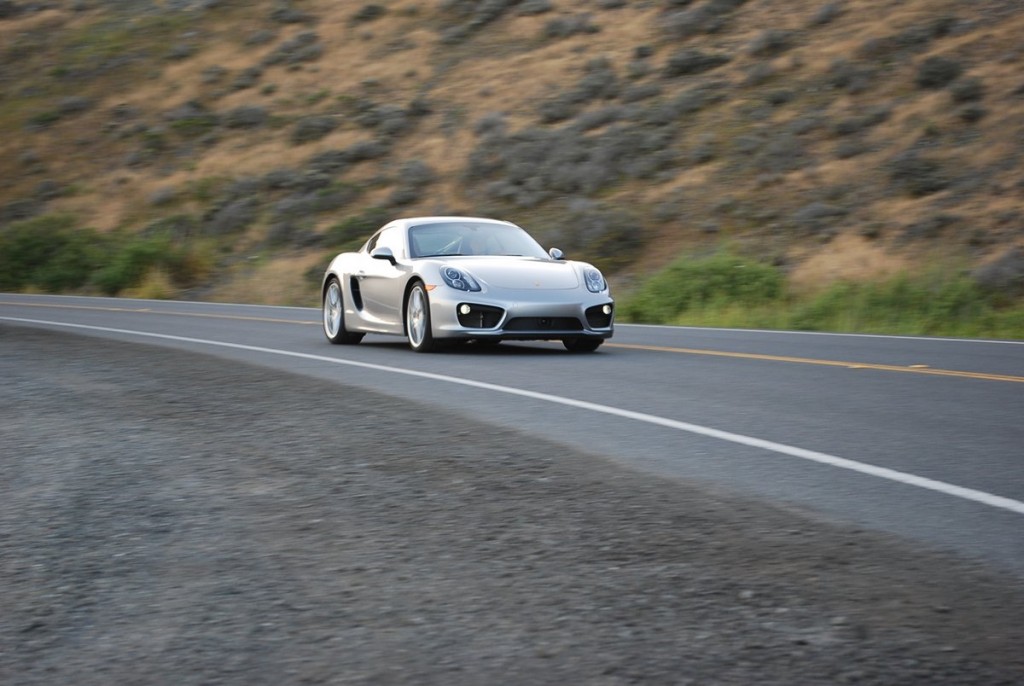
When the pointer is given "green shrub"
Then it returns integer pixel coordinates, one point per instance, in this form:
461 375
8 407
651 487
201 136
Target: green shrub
719 281
49 253
725 290
822 310
140 255
129 264
905 304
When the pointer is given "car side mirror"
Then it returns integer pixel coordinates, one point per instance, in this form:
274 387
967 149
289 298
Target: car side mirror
384 254
556 254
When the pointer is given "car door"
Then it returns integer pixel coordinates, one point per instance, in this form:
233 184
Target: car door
381 283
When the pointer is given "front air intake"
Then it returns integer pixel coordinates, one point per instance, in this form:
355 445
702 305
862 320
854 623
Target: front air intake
479 316
596 317
544 324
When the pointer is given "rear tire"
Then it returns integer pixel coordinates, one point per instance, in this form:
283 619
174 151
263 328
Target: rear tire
334 315
417 320
582 345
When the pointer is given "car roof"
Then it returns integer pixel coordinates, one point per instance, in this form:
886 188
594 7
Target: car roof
416 221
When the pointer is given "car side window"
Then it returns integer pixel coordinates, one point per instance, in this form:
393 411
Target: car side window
391 237
372 243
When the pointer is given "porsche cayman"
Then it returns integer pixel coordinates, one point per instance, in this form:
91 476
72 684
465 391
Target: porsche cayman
443 279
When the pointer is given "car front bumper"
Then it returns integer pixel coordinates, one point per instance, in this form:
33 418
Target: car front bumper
528 315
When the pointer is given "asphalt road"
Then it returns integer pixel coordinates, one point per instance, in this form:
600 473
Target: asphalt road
919 437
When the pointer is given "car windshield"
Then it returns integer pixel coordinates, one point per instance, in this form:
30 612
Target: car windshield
471 238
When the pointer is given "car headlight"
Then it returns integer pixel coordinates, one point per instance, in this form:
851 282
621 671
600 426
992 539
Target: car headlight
458 279
595 282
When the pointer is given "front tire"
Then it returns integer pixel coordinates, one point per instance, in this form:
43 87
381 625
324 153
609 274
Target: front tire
334 315
582 345
417 320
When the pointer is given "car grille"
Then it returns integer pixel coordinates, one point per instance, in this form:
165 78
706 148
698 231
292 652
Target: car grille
481 317
597 318
544 324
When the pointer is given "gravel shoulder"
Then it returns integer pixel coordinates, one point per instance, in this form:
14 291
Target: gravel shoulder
173 518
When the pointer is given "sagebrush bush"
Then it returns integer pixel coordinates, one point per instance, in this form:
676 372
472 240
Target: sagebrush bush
246 117
709 17
967 90
691 61
303 47
313 129
1003 277
770 43
971 113
368 13
852 77
468 16
564 27
827 14
936 72
230 217
603 233
918 176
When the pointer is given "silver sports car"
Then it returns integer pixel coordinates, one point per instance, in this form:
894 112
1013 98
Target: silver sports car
436 279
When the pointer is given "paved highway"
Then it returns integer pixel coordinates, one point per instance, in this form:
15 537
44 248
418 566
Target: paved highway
919 437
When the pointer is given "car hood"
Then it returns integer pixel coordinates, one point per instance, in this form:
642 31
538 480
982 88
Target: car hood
521 273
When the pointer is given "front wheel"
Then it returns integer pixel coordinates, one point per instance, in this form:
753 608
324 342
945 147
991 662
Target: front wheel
334 316
417 320
582 345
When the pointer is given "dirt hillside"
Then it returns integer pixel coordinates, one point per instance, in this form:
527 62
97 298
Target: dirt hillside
843 139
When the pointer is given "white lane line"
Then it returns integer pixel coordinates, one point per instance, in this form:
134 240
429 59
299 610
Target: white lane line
908 479
670 327
107 301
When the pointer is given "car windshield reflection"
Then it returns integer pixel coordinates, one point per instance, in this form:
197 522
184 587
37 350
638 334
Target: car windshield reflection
454 239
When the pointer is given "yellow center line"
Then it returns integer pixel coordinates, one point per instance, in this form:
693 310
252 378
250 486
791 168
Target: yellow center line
913 369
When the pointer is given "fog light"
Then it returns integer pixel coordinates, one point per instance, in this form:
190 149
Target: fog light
607 309
465 309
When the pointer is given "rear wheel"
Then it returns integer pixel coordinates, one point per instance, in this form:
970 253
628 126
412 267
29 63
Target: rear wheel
334 315
417 320
582 345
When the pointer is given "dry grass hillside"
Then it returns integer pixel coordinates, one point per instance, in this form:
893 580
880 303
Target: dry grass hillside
850 139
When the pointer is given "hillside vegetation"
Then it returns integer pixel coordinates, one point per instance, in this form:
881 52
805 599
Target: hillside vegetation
225 149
